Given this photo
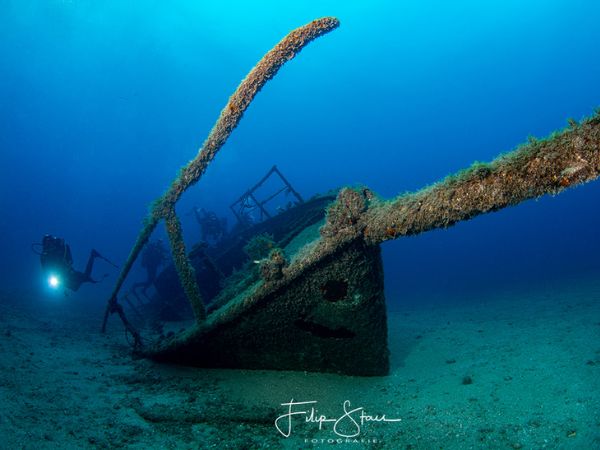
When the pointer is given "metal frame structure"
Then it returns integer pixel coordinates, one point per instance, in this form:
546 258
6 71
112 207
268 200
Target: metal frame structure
248 201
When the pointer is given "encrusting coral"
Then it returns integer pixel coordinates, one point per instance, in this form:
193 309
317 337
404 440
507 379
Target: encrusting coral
186 272
540 167
547 166
259 246
230 116
271 268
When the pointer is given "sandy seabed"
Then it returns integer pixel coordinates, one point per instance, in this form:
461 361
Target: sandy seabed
512 369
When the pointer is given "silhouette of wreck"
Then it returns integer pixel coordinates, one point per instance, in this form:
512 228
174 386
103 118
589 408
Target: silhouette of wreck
315 301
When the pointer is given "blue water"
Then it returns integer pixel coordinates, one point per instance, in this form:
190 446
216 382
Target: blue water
102 102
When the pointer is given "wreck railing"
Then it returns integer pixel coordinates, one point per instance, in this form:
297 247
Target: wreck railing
239 206
164 207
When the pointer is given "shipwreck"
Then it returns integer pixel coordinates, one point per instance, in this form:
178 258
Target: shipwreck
320 285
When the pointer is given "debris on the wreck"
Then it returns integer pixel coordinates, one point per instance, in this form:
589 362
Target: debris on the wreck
239 257
316 302
244 206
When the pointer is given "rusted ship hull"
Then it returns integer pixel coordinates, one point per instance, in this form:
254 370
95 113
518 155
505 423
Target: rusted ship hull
331 319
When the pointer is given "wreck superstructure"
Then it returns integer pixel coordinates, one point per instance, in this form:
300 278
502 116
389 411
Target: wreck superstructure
316 302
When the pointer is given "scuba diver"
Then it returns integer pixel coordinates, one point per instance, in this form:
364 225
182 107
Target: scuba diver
155 254
212 228
57 262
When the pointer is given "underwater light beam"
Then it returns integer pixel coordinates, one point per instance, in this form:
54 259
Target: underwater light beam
53 281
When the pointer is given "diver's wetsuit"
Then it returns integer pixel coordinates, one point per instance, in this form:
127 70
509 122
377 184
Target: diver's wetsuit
56 257
212 228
